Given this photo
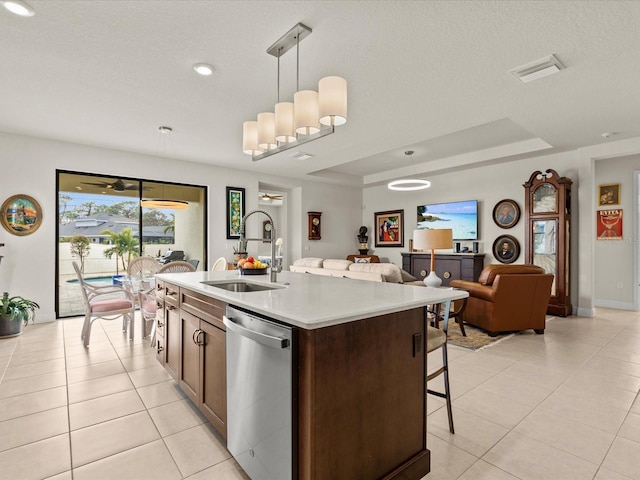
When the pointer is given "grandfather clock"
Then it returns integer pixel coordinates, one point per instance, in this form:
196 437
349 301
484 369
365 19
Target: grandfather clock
548 233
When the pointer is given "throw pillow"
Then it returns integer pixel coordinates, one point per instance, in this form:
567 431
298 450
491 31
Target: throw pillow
363 260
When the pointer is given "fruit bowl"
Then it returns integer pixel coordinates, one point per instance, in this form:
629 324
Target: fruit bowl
253 271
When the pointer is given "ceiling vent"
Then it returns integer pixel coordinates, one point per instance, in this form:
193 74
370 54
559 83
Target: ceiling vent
300 155
538 69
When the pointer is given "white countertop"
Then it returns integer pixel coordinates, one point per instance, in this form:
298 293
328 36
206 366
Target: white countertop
315 301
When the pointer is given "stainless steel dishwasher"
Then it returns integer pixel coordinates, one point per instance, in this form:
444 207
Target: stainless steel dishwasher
260 395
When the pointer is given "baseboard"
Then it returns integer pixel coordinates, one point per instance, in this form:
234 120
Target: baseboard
616 305
584 312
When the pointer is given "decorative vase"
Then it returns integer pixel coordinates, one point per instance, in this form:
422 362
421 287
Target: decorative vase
8 327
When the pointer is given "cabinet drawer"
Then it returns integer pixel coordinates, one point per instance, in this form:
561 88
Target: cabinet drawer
203 307
171 294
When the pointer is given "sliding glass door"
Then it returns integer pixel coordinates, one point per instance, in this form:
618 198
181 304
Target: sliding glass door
104 222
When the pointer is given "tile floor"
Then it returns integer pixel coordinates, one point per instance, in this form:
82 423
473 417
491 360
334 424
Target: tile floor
563 405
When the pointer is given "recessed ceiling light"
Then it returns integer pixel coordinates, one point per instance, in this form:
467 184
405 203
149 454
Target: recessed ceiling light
300 155
19 8
203 69
165 130
540 68
607 134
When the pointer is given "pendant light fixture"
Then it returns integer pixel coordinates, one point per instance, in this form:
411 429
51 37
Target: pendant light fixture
409 184
311 115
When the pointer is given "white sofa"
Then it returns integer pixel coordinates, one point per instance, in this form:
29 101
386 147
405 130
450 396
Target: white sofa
376 272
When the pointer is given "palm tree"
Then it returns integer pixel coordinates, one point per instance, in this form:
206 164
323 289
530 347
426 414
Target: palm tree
125 245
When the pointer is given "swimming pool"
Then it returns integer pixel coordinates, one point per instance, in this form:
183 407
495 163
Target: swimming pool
95 280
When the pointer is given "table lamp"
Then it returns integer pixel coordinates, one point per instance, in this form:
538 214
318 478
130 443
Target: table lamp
432 240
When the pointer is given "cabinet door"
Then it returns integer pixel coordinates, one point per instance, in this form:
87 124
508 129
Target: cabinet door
172 340
190 367
213 392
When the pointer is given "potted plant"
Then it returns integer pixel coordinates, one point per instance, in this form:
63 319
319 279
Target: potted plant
14 313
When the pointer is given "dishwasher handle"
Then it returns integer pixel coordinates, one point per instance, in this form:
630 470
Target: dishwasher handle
268 340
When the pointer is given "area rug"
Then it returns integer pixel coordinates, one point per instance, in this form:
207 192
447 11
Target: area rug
475 339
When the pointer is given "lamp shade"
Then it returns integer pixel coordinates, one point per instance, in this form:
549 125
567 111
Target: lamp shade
432 239
306 112
250 138
267 131
332 101
285 132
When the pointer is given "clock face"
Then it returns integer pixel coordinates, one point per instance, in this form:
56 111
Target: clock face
316 221
267 227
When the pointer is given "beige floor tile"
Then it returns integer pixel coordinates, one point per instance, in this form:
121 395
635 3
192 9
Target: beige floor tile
108 438
33 357
474 434
79 392
151 461
176 417
623 458
196 449
529 459
90 357
482 470
568 435
495 408
44 343
33 369
547 377
93 371
31 428
517 389
29 403
21 386
102 409
61 476
612 396
160 394
447 460
227 470
149 376
604 381
36 460
139 362
606 474
487 360
135 349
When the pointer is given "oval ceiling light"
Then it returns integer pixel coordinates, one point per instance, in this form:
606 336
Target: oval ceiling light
203 69
19 8
409 184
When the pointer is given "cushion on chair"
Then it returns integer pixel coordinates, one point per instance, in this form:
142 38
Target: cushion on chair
110 305
435 338
149 306
489 273
336 264
312 262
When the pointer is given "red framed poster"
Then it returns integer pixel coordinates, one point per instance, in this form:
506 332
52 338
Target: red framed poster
609 224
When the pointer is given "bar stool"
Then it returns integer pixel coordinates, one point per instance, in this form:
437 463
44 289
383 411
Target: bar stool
437 338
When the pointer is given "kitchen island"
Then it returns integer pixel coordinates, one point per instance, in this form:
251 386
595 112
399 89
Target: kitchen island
359 364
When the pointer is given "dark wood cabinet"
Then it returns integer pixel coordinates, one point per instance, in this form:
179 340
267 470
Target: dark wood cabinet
548 233
449 266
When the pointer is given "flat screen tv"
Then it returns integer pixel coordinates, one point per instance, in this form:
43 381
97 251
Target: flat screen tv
461 217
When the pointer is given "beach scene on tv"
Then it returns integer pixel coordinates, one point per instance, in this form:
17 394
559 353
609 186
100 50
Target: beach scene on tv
461 217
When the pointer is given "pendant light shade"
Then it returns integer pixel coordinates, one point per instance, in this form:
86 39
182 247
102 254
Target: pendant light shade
332 100
285 132
306 112
250 138
267 131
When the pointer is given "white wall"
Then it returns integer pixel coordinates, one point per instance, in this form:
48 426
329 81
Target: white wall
29 165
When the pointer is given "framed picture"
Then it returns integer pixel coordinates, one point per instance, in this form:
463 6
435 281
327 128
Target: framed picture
389 228
21 215
235 211
506 249
506 213
609 194
609 224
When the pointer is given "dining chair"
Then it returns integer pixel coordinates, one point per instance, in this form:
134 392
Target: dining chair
219 264
143 265
108 302
194 262
437 338
177 266
148 309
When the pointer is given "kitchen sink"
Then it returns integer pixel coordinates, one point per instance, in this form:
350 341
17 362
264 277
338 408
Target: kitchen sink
241 286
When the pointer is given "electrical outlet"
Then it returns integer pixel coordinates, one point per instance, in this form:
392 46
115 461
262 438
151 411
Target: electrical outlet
620 285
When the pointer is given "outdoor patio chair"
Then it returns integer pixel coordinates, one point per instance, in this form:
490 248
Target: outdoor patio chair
175 267
219 264
143 265
107 302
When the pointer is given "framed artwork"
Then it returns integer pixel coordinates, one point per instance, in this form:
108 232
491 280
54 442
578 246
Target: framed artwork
506 213
235 211
21 215
609 224
389 228
506 249
609 194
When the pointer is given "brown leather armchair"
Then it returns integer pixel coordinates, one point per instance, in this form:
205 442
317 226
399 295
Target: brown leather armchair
507 298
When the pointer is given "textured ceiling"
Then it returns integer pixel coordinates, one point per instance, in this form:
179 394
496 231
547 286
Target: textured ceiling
427 76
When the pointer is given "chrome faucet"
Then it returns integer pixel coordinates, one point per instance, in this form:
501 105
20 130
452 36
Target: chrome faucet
274 269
